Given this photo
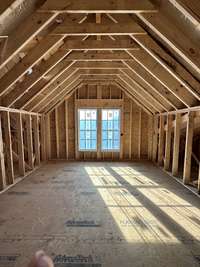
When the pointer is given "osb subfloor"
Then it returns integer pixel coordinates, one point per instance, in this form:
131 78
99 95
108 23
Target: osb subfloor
100 214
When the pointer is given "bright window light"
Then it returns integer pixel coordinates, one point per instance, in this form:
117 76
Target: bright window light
110 129
87 129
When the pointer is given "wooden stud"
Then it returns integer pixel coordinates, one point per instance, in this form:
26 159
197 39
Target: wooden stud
76 129
8 148
2 161
155 139
168 143
130 129
122 133
48 139
139 133
57 134
161 141
198 186
150 137
43 132
175 161
36 136
188 149
20 143
66 130
29 141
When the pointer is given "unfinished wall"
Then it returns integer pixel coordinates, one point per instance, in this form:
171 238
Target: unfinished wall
61 123
22 145
176 146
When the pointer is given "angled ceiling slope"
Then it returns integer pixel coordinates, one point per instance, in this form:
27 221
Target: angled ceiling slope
138 46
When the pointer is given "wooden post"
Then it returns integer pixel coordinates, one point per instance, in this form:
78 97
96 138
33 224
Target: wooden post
66 130
161 141
139 132
150 137
188 148
29 140
176 145
168 143
8 148
20 143
2 162
122 134
48 139
76 128
130 129
43 133
155 139
198 186
36 139
57 134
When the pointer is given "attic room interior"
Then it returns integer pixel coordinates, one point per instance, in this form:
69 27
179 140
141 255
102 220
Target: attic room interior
100 133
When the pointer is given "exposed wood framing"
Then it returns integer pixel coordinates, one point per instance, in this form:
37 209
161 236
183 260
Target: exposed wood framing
176 145
20 142
168 143
43 134
66 129
139 134
188 149
36 139
99 7
8 148
135 47
57 134
2 161
29 136
155 139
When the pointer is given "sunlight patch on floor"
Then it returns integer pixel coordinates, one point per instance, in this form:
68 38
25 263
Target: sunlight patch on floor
135 221
176 208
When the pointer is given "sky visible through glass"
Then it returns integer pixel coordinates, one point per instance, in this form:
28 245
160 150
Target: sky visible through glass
87 129
110 129
110 135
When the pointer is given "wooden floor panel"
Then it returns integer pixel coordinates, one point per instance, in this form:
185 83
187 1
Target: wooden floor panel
100 214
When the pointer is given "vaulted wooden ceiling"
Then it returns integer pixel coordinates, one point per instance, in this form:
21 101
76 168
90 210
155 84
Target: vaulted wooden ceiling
149 49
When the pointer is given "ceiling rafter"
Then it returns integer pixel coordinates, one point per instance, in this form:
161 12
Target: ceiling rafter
163 77
134 89
142 102
51 86
137 102
52 100
131 57
181 44
25 33
150 80
103 6
169 63
151 90
144 92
